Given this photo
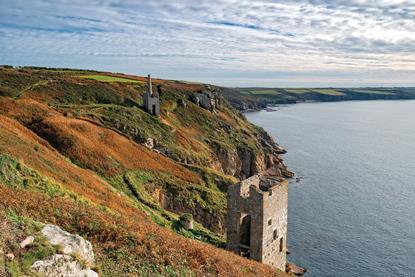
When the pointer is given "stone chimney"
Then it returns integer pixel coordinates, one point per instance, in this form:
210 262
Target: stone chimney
150 87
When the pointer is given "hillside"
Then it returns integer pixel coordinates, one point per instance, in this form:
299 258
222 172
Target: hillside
77 150
246 99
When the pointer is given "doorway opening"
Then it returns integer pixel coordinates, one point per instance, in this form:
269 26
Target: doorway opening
245 235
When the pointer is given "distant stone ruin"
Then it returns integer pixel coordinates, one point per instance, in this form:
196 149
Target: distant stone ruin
257 219
208 99
151 100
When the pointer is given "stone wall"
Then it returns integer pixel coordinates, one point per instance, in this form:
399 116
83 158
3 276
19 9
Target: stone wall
265 201
151 103
275 212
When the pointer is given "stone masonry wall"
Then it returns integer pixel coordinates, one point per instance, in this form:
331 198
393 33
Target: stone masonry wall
275 213
267 209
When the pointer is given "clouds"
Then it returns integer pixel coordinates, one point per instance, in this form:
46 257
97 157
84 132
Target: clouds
190 40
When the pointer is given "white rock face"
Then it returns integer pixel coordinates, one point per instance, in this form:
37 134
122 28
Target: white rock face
62 266
72 244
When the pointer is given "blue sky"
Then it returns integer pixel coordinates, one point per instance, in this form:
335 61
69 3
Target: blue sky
235 43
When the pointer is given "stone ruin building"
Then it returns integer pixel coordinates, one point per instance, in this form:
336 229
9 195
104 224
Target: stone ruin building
207 99
257 219
151 100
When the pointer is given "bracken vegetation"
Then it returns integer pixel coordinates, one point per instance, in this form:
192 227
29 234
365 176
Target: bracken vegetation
72 154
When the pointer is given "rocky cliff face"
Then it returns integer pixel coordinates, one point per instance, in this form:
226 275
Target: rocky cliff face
242 102
243 163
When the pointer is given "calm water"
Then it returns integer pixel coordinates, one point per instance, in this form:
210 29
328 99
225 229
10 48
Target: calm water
353 214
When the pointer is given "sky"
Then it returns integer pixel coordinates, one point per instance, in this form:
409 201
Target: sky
304 43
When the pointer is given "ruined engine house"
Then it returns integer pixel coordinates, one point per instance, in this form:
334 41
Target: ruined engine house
257 219
151 100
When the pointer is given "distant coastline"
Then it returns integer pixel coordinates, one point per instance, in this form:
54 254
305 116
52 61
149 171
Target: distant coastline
256 99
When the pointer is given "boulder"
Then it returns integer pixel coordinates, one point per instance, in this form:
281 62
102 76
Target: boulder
71 244
186 220
62 266
27 241
295 270
150 143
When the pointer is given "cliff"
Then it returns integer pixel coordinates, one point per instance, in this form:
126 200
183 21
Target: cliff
77 150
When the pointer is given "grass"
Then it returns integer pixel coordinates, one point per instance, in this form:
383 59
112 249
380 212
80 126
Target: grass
332 92
260 92
297 90
103 150
16 174
146 187
373 91
13 229
73 137
123 244
110 79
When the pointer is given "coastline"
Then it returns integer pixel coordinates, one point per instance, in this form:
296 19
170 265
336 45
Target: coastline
274 105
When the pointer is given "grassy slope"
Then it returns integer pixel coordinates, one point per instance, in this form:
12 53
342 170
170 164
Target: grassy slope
110 79
13 230
70 146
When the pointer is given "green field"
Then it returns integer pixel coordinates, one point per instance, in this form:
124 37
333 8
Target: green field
297 90
333 92
372 91
328 92
110 79
259 92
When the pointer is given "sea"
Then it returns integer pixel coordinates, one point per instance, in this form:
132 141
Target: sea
353 211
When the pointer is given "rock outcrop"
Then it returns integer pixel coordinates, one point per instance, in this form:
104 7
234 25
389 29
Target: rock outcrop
295 270
72 244
62 266
65 265
244 162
